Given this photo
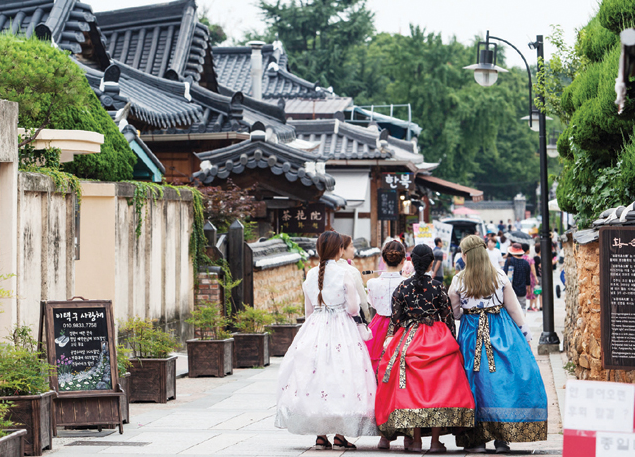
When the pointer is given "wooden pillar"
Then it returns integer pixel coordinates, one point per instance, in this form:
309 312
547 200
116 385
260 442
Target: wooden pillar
236 257
375 240
426 211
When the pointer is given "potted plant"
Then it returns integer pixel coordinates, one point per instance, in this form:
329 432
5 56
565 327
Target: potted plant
152 369
11 440
284 329
123 365
211 354
251 347
24 382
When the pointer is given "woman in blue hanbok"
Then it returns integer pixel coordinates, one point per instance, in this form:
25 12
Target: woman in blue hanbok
511 402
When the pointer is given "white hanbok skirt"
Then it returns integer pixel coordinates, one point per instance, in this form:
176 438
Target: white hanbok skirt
326 382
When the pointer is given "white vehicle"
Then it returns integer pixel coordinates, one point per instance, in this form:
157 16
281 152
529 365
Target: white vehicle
530 226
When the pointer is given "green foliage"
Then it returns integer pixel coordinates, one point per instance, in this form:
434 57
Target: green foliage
23 371
143 191
146 340
4 293
286 314
21 336
596 148
617 15
216 33
293 247
42 79
116 160
227 282
252 320
209 321
5 419
64 182
320 37
198 241
29 156
123 359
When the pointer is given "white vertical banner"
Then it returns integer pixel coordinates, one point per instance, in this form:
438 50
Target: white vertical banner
444 231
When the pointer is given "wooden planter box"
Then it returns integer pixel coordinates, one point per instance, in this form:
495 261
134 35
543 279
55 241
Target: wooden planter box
34 413
210 357
251 350
153 380
12 445
281 337
300 320
124 382
81 410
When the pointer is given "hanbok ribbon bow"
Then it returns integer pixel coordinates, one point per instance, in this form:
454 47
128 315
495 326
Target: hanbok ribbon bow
482 336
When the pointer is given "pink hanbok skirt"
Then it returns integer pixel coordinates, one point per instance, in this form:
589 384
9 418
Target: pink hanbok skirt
379 327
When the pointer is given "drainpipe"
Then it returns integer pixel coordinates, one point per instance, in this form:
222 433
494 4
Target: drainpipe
256 68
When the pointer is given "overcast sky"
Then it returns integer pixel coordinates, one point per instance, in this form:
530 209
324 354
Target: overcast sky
514 20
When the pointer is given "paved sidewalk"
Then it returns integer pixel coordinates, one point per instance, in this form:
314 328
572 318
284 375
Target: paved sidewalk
233 416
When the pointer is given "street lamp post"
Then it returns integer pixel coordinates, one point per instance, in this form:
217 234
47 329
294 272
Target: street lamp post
549 341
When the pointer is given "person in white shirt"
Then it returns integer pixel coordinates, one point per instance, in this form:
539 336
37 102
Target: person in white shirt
504 244
494 254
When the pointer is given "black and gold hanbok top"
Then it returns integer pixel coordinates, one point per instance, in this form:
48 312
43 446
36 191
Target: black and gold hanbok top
420 303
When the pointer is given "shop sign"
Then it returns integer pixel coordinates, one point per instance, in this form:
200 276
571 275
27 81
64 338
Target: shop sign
303 219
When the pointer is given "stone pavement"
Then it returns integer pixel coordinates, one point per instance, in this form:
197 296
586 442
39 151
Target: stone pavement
233 416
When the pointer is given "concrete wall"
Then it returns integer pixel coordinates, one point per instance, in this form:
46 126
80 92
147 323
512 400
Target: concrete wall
146 276
583 332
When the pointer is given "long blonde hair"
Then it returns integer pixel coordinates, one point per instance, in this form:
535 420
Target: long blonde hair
479 278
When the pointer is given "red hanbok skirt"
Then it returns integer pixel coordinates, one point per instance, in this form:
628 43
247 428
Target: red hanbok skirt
379 326
435 391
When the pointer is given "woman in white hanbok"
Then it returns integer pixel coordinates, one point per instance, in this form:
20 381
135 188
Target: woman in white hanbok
326 382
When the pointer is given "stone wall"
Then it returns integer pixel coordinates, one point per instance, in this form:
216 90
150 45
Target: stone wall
361 263
582 326
282 284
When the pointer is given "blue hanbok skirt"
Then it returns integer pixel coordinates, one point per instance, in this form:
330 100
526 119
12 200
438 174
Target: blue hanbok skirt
511 402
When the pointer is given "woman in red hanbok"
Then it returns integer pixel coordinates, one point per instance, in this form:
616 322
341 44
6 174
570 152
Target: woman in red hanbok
421 380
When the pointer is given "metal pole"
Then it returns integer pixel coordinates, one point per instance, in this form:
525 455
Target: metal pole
549 341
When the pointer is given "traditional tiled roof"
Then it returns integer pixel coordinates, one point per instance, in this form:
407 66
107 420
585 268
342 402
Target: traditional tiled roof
340 141
315 108
233 69
131 135
251 154
164 40
68 23
155 101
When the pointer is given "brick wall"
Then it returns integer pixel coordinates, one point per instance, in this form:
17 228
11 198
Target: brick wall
208 289
282 284
583 332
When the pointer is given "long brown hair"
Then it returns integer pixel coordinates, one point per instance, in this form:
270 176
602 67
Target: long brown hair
328 247
346 241
480 278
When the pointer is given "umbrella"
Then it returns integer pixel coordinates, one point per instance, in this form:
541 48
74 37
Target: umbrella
519 237
553 205
464 210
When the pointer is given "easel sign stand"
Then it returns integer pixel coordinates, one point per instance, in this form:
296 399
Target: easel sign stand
80 343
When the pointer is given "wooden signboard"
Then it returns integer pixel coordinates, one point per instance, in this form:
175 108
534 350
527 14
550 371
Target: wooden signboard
617 297
387 205
80 343
304 219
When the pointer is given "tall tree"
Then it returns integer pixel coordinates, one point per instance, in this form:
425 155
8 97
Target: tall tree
319 36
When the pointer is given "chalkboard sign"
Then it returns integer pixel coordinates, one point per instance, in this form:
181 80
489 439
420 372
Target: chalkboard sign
617 297
80 343
387 205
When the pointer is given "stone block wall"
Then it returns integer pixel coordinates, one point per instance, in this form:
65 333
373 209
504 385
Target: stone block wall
361 263
582 327
282 284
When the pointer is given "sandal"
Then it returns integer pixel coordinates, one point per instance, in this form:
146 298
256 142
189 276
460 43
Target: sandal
345 445
409 444
322 444
383 443
440 449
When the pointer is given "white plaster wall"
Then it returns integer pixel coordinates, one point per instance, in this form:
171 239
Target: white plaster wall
123 225
170 256
30 284
156 287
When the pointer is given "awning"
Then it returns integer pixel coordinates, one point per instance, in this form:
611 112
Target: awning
446 187
352 185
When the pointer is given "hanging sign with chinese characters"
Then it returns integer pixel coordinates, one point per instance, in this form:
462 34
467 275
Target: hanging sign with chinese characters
397 181
617 297
303 219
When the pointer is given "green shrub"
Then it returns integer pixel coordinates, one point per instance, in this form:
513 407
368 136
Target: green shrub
209 321
594 40
123 359
5 420
617 15
286 313
145 340
251 320
22 372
